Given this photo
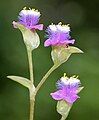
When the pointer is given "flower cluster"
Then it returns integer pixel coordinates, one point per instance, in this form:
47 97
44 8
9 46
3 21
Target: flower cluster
30 18
58 34
67 89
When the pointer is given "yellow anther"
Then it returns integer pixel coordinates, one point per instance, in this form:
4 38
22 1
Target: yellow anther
77 76
67 24
74 76
64 74
30 8
52 23
24 8
60 23
66 78
64 25
33 9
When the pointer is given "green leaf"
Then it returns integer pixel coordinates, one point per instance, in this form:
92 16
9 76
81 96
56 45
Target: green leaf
23 81
61 53
63 108
75 50
31 38
80 89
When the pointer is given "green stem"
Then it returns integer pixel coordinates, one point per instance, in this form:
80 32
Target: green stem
30 65
62 118
32 103
31 109
32 94
45 77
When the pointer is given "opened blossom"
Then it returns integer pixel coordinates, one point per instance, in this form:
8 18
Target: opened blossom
58 34
68 89
29 19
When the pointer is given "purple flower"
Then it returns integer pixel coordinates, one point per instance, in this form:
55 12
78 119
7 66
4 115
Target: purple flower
67 89
58 34
29 19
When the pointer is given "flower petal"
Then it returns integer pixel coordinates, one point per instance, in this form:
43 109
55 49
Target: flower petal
39 27
68 41
56 95
29 19
71 98
47 43
58 34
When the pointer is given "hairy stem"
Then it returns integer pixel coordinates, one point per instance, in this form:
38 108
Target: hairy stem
45 77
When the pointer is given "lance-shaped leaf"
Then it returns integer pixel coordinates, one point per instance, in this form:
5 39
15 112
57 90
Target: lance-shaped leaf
23 81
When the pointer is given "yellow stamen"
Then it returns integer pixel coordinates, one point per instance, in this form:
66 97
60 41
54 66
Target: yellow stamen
33 9
64 74
74 76
68 25
24 8
77 76
66 78
30 8
36 10
60 23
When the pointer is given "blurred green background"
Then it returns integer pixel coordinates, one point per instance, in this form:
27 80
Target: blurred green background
83 16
